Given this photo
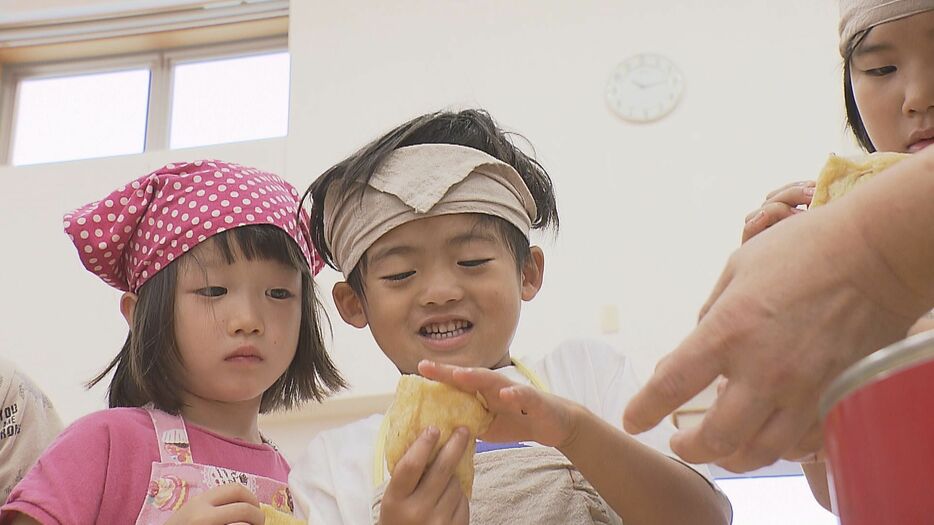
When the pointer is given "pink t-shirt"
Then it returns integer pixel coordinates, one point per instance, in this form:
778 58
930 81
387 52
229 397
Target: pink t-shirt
98 470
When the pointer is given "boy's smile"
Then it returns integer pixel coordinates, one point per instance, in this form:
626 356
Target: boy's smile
444 288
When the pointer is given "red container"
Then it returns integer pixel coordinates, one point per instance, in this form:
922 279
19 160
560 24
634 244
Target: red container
879 436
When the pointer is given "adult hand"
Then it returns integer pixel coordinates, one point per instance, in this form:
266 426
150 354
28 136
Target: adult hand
795 306
422 491
230 503
779 204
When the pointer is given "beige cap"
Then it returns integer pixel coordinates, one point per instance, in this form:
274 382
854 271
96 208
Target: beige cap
857 16
422 181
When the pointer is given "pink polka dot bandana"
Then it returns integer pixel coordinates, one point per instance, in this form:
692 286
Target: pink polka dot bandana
138 229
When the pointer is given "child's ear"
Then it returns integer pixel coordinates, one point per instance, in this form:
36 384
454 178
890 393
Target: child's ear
533 272
349 305
128 307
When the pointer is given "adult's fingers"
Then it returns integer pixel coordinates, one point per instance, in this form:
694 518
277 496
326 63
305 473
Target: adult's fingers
725 279
685 372
736 416
777 436
808 446
409 470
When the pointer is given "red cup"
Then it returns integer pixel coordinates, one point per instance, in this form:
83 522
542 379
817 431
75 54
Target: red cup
879 436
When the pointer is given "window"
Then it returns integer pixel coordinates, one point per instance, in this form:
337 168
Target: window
121 105
230 100
73 117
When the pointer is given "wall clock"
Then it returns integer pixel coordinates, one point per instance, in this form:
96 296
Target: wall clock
644 88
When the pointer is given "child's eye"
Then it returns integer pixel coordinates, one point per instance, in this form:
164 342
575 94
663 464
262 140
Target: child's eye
279 293
881 71
212 291
473 262
398 276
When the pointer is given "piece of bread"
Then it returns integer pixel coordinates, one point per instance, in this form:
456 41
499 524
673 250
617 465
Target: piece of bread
277 517
841 174
420 403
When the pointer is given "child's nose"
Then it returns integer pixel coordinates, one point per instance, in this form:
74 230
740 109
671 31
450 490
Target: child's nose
919 93
245 318
441 288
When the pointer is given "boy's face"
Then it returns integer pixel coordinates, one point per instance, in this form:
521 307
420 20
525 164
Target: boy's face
444 288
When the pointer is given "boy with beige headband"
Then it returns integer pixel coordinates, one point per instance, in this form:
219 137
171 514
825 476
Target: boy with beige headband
430 226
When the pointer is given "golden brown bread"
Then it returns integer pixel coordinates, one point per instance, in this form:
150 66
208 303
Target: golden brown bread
277 517
420 403
841 174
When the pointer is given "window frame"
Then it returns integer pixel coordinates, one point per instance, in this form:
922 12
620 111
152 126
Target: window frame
161 64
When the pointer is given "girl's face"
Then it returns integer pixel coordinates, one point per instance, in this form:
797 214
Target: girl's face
236 325
893 83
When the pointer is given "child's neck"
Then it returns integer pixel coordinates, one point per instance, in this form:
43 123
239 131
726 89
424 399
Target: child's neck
236 420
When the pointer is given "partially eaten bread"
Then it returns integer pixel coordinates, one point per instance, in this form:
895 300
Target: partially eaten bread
420 403
841 174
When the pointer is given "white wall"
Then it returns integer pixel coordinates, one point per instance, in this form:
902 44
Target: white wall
649 212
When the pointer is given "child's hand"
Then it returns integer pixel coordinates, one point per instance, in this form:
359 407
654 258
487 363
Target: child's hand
427 494
230 503
780 204
520 412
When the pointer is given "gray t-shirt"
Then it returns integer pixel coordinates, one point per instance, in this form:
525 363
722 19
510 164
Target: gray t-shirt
28 423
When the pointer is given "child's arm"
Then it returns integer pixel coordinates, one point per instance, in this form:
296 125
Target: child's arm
640 484
423 493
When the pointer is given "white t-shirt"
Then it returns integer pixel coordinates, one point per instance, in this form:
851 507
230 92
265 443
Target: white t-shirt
333 482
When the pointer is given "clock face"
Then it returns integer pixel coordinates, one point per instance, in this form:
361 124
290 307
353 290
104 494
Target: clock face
644 88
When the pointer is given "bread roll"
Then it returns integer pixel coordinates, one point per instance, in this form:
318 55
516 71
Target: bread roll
841 174
420 403
277 517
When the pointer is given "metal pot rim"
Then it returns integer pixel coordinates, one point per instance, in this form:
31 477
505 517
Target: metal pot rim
877 366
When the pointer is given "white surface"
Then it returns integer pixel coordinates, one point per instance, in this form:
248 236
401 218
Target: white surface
80 117
649 213
781 500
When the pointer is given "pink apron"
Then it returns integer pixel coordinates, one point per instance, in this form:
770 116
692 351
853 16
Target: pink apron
177 478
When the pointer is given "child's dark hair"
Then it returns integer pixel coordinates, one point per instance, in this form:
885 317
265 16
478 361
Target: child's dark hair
473 128
149 367
853 119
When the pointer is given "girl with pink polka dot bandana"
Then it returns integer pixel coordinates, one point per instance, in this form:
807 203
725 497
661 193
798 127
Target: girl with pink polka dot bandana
216 272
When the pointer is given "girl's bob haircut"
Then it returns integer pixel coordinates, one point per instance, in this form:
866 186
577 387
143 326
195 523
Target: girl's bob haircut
149 367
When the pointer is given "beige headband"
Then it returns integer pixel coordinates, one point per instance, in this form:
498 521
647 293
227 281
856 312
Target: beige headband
422 181
857 16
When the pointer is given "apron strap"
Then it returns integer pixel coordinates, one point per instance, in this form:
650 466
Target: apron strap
172 436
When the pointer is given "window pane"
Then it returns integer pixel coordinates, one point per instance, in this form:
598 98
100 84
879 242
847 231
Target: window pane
79 117
774 501
230 100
